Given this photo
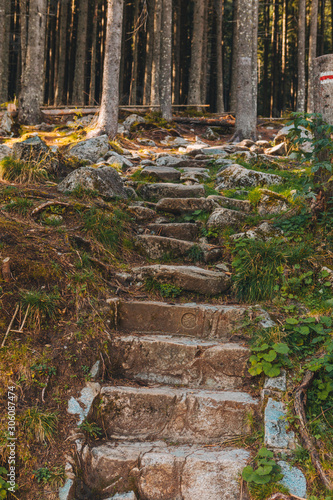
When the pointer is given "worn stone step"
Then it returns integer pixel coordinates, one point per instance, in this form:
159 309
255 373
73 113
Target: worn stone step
157 247
181 231
181 415
169 190
197 320
181 361
160 472
190 278
185 205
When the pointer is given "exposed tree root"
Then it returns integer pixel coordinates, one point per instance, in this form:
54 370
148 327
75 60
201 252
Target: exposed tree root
307 440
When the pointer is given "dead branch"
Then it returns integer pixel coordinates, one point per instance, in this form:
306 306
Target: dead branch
10 325
47 204
6 273
44 388
308 441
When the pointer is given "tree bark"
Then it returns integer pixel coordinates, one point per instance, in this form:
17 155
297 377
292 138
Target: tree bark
312 52
135 43
219 55
194 93
255 20
149 52
176 52
92 89
155 74
234 58
80 57
246 116
166 60
32 79
301 56
4 48
204 62
59 95
108 115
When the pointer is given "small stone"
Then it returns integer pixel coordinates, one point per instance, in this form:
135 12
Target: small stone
130 120
277 383
82 406
293 479
116 159
92 149
33 148
276 435
4 151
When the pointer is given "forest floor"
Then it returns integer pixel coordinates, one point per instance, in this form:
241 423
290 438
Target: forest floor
64 269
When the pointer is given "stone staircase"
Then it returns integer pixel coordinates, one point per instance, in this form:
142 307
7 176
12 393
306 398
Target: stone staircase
182 398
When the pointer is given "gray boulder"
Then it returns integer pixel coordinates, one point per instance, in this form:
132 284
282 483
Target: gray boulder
117 159
130 120
106 181
169 190
6 124
224 217
91 149
4 151
33 148
236 176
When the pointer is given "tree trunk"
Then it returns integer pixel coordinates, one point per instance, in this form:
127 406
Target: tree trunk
246 118
204 65
59 95
155 74
255 20
135 43
234 58
176 51
219 64
194 93
108 115
266 88
32 79
166 60
301 56
92 89
80 57
149 52
312 52
4 48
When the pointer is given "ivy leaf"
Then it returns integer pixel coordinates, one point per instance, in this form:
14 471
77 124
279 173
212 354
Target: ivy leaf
263 471
262 479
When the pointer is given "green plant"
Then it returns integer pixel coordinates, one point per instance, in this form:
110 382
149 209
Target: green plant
107 229
39 425
4 485
55 476
165 289
19 205
80 192
267 469
23 171
41 304
268 359
91 428
195 254
259 266
255 196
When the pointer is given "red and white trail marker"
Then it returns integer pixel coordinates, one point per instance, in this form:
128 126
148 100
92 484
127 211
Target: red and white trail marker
326 77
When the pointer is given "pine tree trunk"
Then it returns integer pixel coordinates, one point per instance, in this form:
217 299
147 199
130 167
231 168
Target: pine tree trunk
176 51
266 87
80 57
301 56
32 79
92 90
108 115
194 93
246 118
219 55
255 20
234 58
204 65
312 52
166 60
59 95
134 75
155 75
149 52
4 48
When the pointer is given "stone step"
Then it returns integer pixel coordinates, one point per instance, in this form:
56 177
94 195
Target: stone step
157 247
181 415
169 190
190 278
160 472
180 231
181 361
196 320
185 205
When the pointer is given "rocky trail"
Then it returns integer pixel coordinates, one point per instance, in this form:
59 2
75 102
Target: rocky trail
175 414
